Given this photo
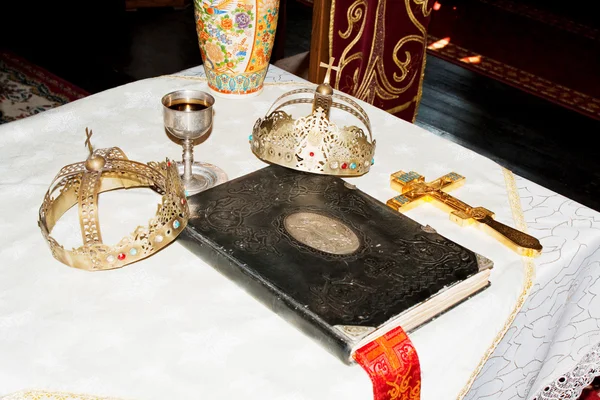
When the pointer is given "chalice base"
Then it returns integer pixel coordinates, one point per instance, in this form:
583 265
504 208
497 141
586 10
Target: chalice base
204 176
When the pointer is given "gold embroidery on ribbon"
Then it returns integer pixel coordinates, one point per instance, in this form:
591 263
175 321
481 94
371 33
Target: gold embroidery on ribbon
528 266
401 390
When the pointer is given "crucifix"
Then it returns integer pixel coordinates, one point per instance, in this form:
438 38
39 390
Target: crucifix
414 191
88 143
329 67
324 92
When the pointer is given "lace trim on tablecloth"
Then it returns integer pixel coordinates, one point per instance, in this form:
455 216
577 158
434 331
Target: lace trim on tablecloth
571 384
529 271
44 395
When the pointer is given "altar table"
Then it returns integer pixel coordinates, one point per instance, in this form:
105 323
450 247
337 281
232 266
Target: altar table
170 326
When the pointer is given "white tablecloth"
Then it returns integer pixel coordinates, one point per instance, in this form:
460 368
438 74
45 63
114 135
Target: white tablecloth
172 327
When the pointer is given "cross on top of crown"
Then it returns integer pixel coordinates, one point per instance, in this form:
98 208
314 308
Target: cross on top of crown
329 68
88 137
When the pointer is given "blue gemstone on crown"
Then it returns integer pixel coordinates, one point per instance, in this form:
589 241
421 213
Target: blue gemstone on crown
176 224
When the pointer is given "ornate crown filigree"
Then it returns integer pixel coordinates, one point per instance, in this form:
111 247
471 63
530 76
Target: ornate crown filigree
314 143
104 170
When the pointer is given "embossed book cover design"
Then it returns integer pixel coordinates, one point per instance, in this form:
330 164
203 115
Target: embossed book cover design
337 263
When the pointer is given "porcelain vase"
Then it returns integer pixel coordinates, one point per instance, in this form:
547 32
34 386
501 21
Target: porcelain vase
236 39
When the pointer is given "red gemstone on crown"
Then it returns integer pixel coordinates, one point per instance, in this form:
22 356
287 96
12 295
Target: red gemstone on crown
121 256
168 163
344 166
182 201
312 154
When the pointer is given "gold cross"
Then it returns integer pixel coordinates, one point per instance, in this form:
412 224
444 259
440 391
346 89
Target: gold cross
329 68
88 143
414 191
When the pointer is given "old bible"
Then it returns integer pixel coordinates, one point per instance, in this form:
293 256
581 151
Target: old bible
335 262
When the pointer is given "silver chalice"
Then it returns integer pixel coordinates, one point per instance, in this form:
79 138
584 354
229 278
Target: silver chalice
188 115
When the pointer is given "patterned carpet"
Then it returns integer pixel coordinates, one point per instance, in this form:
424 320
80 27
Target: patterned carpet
26 89
534 50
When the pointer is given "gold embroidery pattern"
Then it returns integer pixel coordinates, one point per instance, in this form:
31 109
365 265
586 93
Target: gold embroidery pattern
577 101
403 388
354 15
529 269
368 78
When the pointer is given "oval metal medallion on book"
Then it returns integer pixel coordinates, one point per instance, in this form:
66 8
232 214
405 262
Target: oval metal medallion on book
322 233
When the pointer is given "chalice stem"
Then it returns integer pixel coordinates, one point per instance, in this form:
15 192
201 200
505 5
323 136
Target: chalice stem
188 159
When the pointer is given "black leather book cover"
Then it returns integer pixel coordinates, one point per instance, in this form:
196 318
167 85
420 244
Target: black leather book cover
322 254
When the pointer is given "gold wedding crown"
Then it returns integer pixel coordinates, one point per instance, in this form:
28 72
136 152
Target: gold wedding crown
104 170
314 143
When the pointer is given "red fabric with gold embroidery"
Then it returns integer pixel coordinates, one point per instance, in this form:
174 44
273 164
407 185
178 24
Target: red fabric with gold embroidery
393 365
379 46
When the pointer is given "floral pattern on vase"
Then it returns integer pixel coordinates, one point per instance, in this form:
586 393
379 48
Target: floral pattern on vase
236 40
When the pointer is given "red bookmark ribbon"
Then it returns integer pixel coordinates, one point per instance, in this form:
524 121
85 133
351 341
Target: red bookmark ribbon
393 366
